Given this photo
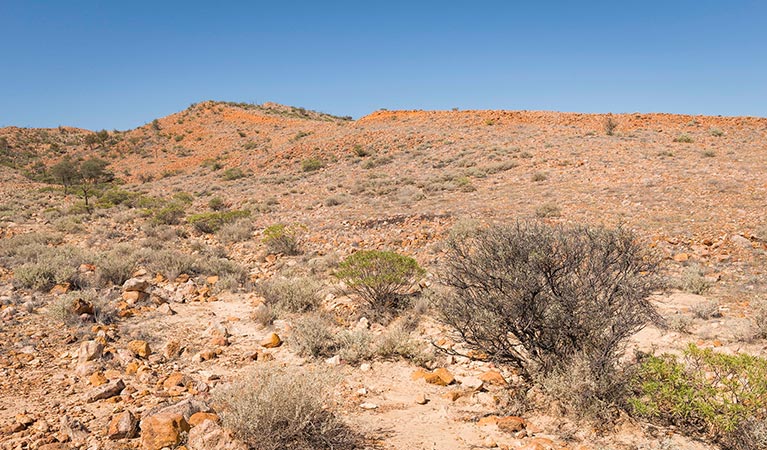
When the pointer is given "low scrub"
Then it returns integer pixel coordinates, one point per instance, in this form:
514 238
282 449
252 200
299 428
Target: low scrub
295 295
720 396
277 408
380 278
213 221
284 238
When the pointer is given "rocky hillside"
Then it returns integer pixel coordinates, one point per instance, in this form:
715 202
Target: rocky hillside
210 259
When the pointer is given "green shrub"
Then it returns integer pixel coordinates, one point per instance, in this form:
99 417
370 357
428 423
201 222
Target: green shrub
278 408
116 266
170 214
116 196
705 392
216 204
52 266
234 173
381 278
212 222
285 239
312 164
61 309
684 138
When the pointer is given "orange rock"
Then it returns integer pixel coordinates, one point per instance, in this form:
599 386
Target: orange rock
681 257
162 430
200 417
271 341
97 379
445 377
60 289
173 380
139 348
131 368
493 377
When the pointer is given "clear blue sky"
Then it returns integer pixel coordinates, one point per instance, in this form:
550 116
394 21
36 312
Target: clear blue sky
119 64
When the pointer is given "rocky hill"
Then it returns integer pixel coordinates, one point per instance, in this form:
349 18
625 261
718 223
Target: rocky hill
213 250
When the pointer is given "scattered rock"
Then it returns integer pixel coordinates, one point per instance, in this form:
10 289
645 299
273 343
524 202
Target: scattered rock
369 406
89 351
123 426
200 417
272 340
136 285
421 399
162 430
209 435
108 390
139 348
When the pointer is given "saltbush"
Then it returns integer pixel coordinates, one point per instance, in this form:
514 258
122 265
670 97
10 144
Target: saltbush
712 394
380 278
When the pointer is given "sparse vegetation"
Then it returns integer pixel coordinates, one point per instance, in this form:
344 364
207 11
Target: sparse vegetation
684 138
296 295
213 221
275 408
312 164
283 238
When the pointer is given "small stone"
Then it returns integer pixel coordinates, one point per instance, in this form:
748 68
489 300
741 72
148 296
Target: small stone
172 349
81 306
139 348
365 367
136 284
97 379
209 435
421 399
106 391
493 377
333 361
166 310
681 257
369 406
444 376
175 379
472 383
272 340
89 351
123 426
452 395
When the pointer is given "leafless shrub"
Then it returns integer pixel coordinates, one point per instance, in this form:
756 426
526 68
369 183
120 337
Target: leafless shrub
299 294
238 231
705 310
313 336
534 296
276 408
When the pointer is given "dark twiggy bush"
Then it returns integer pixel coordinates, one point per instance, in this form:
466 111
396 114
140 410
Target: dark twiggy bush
536 296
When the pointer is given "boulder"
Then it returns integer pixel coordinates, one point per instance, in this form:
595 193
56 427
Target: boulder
162 430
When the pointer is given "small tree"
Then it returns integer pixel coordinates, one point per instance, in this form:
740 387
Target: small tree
65 172
537 296
92 172
379 277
